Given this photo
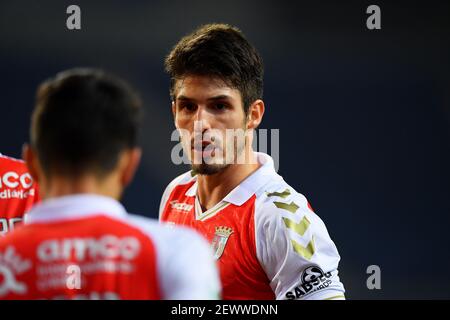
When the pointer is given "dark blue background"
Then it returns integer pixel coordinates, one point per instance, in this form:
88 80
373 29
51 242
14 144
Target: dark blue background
363 115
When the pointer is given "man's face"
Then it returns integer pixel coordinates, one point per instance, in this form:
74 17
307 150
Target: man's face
208 113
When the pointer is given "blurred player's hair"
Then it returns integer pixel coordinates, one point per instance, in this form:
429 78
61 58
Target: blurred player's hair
221 51
83 119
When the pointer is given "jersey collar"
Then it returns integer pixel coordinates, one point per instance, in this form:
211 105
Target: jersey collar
247 188
74 207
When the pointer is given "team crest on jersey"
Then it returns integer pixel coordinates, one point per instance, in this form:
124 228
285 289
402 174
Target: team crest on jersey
220 240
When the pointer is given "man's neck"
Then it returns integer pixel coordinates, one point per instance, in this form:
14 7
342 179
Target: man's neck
60 186
211 189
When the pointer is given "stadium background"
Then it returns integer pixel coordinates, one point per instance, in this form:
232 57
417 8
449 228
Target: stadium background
363 115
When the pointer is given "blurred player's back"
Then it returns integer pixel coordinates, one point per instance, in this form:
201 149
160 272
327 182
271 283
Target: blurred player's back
18 192
79 242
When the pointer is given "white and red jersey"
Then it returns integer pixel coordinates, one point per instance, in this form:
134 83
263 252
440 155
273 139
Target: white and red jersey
87 247
268 241
18 192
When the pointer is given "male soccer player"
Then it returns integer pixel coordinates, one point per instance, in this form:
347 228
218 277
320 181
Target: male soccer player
268 241
79 242
18 193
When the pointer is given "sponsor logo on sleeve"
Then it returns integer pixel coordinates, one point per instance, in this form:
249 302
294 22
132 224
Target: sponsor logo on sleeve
312 279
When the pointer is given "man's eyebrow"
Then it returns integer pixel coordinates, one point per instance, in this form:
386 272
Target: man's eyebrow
219 97
183 98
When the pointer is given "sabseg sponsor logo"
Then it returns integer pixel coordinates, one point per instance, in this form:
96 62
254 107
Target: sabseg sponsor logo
312 279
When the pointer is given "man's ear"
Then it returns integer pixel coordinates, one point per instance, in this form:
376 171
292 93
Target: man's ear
130 159
255 114
174 110
32 161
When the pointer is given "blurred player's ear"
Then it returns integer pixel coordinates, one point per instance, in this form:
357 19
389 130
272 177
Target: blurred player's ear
31 160
129 162
174 112
255 114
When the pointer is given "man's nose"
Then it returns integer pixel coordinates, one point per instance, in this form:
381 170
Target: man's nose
202 120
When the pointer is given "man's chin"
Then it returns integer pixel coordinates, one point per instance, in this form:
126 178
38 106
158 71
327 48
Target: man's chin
208 169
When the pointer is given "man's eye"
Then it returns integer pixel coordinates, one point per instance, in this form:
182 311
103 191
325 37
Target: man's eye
220 106
188 107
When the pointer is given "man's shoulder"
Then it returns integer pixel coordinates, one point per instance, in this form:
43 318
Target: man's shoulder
279 203
183 180
9 163
180 185
279 195
285 219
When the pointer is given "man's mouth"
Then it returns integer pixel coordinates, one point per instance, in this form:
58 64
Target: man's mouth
200 147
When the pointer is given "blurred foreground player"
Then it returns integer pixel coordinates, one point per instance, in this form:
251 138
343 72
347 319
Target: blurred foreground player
80 243
268 242
18 193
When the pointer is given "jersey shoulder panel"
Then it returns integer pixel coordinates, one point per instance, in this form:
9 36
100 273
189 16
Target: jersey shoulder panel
9 163
18 192
182 179
11 159
292 243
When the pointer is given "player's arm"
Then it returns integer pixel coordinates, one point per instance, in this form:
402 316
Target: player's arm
296 251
